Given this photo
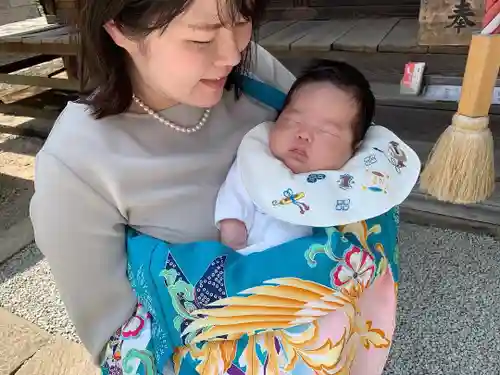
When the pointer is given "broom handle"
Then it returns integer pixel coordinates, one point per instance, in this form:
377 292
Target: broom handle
481 72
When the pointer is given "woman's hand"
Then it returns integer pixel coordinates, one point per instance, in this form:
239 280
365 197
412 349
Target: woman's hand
233 233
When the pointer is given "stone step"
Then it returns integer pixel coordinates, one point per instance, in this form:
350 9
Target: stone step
426 210
28 350
481 218
19 341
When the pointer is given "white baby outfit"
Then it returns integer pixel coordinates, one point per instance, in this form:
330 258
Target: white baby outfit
264 231
278 206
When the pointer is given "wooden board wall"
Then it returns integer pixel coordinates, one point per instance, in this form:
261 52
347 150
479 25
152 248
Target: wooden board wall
327 9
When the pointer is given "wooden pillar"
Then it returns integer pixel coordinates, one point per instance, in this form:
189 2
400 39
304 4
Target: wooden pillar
480 76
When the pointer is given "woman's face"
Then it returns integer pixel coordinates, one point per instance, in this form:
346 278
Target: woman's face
188 62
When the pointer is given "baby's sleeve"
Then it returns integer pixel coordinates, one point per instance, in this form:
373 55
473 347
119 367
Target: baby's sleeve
233 201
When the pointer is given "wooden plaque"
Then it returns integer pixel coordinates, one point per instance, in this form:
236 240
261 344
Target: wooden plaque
449 22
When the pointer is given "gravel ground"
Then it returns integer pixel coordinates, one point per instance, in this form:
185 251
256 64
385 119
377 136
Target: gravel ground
447 318
27 289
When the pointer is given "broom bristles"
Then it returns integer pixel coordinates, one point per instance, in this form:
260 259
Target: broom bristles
460 168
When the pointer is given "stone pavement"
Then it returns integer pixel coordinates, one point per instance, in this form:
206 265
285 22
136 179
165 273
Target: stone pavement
26 350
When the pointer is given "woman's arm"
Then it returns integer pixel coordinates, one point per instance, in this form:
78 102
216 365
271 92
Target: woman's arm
82 236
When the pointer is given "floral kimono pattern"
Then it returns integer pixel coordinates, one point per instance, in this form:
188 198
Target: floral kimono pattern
318 305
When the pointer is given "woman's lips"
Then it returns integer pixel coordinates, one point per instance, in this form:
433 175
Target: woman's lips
216 84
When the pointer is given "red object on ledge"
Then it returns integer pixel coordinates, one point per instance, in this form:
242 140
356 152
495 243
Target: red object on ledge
492 14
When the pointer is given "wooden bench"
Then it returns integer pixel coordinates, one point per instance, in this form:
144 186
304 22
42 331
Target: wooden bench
379 47
26 44
51 39
383 35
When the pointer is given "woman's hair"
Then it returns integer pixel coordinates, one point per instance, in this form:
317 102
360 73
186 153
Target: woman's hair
346 77
107 63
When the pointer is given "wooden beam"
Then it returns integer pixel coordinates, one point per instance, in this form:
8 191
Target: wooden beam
486 212
55 49
342 11
55 83
26 63
378 66
28 111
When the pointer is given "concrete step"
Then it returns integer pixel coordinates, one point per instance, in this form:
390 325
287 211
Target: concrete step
28 350
483 217
19 341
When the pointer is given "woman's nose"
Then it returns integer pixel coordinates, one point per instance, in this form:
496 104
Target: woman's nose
229 53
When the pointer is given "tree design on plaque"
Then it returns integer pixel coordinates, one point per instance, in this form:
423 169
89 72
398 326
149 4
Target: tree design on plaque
460 19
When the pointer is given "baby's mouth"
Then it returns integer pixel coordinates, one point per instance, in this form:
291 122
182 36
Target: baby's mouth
299 154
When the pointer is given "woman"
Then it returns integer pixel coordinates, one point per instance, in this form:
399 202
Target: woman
150 148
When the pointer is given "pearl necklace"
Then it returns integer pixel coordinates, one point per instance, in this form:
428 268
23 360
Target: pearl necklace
170 124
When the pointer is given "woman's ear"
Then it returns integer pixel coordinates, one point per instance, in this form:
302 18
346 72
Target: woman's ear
117 35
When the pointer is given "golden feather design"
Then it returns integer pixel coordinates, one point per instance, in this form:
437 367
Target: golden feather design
249 357
268 344
287 303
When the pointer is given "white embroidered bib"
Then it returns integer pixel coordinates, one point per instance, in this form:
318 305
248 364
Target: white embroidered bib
379 176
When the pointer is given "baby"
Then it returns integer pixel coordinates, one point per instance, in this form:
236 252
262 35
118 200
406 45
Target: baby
325 117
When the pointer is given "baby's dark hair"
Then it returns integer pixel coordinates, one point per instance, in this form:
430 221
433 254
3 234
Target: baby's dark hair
345 77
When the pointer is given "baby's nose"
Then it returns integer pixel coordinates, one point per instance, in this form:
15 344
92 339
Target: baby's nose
304 136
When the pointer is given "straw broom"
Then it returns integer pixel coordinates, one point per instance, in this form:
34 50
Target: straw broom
460 168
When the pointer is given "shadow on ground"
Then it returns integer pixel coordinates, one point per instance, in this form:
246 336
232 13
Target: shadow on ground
25 138
19 263
15 194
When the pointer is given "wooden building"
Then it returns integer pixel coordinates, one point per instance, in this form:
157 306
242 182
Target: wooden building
330 9
377 36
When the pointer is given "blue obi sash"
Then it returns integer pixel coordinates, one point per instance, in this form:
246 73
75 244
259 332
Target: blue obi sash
203 292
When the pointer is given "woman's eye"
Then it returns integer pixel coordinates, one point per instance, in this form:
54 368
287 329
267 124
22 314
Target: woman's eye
202 42
243 23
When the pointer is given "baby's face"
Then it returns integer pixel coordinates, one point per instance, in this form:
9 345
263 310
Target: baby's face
315 130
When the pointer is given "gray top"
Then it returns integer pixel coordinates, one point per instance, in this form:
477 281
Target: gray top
95 176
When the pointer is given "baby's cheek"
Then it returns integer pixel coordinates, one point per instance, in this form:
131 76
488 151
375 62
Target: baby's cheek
344 153
278 143
334 154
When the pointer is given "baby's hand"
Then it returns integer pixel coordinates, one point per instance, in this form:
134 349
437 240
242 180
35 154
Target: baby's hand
233 233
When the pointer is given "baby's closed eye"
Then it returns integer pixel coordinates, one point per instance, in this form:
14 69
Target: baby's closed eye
330 130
